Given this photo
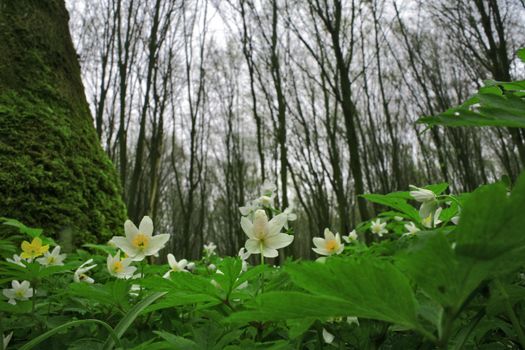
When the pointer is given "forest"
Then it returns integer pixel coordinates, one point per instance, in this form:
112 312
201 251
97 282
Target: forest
262 174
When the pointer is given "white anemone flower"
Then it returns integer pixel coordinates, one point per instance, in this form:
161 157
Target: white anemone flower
249 208
120 267
379 228
5 340
175 266
209 249
290 216
20 291
352 320
244 255
265 236
52 259
422 194
80 273
140 242
266 201
432 220
352 236
268 188
427 198
330 245
191 266
328 337
18 260
411 228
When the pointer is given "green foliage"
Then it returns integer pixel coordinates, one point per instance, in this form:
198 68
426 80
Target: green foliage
495 104
450 286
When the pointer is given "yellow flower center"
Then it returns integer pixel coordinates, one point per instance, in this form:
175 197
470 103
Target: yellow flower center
140 241
331 245
118 267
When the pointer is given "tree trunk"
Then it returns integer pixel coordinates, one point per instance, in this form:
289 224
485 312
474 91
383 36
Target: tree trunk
53 171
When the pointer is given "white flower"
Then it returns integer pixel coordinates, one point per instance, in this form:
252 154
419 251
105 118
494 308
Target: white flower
455 220
411 228
244 255
265 236
120 268
266 201
328 337
249 208
139 242
377 227
17 260
421 194
352 319
80 273
427 198
209 249
290 216
212 267
432 220
20 291
268 188
5 340
331 244
134 290
175 266
352 236
190 266
398 218
52 259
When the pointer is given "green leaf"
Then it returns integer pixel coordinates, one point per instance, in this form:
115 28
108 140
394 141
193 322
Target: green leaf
368 288
395 202
521 54
497 104
177 341
375 289
492 224
130 317
34 342
432 264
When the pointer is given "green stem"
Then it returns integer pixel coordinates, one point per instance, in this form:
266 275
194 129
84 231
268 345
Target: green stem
262 263
511 314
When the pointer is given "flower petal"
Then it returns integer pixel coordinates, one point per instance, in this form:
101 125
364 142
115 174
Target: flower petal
124 244
270 253
318 242
276 224
278 241
321 251
172 261
146 226
328 235
156 243
253 246
130 229
247 227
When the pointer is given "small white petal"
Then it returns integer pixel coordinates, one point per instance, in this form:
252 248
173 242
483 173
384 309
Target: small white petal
328 337
146 226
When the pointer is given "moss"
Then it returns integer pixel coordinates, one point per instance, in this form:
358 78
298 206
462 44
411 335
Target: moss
53 172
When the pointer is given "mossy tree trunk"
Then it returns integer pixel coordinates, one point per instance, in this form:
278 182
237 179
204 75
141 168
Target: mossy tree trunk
53 171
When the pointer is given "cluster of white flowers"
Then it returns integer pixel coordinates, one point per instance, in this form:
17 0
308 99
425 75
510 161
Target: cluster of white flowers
264 234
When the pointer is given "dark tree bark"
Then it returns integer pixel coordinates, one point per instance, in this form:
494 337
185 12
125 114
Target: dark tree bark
53 171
